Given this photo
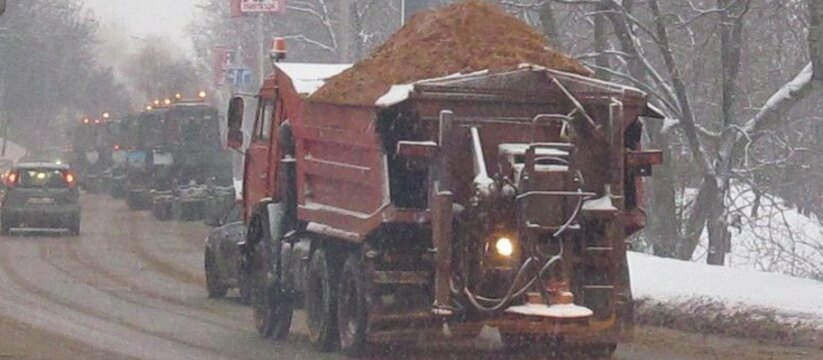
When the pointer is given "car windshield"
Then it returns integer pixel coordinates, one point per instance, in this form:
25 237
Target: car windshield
42 178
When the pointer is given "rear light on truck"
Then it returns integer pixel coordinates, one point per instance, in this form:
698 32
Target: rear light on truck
70 178
11 179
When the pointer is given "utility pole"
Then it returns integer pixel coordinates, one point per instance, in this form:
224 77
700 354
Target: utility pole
261 52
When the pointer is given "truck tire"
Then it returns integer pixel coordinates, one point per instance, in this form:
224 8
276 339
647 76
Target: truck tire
214 285
321 301
272 304
244 289
5 230
352 307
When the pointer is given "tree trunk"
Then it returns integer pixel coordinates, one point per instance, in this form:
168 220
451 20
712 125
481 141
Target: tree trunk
731 28
549 24
662 231
816 38
345 30
601 43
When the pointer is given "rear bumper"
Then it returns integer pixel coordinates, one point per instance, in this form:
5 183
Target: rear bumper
34 217
612 330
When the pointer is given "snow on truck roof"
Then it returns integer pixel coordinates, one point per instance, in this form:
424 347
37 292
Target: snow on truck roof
308 77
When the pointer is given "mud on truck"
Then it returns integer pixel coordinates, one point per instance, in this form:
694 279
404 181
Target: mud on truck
501 199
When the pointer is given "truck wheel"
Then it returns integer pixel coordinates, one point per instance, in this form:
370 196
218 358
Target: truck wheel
352 307
245 289
321 301
5 230
271 303
213 283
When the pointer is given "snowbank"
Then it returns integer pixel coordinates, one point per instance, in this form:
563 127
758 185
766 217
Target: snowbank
675 281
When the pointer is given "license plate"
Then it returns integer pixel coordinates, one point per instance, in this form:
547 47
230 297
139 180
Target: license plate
41 201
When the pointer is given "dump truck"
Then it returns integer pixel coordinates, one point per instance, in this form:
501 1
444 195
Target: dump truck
91 155
148 158
502 199
201 166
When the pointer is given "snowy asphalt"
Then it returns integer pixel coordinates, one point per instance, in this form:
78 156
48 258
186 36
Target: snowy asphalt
132 287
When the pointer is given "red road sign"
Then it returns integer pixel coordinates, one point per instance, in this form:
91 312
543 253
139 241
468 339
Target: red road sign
262 6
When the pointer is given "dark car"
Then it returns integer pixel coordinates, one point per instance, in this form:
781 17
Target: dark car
222 254
40 195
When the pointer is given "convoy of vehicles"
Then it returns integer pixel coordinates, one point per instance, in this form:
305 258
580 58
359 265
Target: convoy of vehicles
40 195
173 159
451 208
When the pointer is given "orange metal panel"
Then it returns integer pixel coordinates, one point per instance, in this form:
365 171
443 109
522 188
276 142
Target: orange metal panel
342 176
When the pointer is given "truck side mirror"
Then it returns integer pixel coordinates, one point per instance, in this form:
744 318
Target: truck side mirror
235 122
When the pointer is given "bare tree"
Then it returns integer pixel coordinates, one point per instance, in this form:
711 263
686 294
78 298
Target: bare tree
49 83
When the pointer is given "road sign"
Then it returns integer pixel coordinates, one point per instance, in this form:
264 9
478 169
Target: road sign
238 76
263 6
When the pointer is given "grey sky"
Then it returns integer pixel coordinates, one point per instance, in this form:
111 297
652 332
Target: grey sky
142 18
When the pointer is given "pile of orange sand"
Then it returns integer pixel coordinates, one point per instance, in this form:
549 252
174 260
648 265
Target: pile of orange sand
469 36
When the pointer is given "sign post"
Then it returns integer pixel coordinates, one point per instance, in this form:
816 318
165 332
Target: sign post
258 8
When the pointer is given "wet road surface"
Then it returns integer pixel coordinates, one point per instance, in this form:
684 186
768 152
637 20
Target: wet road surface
130 287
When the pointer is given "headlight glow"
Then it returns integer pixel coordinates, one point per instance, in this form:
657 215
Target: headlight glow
504 246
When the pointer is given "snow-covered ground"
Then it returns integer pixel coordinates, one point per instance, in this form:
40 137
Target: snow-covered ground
674 281
776 255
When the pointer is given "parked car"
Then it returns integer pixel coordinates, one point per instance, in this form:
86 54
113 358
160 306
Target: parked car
40 195
222 258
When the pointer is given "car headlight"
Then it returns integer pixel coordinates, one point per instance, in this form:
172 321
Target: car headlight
504 246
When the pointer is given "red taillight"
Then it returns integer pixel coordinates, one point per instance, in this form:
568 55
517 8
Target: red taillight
69 178
11 179
116 147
